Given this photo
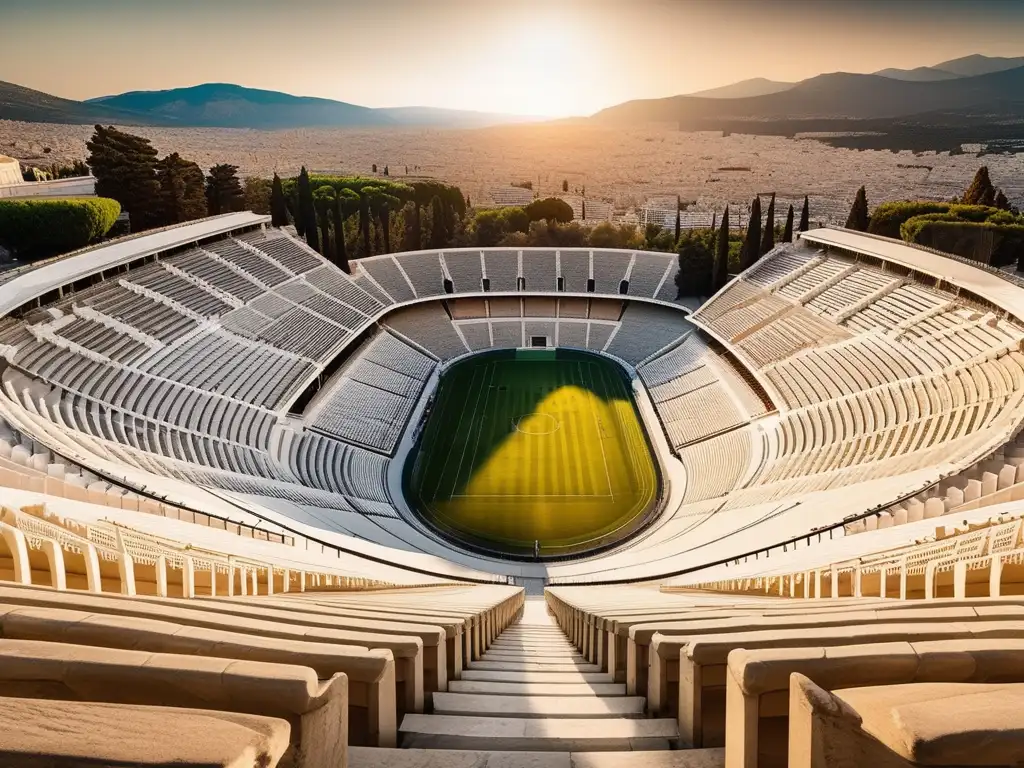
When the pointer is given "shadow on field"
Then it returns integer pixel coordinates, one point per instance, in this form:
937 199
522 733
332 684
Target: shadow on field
473 419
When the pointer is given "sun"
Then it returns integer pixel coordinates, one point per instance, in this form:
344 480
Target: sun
539 68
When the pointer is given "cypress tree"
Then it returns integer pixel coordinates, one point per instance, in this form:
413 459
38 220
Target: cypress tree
787 233
805 216
858 218
307 213
768 234
437 235
364 222
981 189
1000 201
696 266
583 212
125 168
223 190
752 243
679 206
722 254
323 202
278 205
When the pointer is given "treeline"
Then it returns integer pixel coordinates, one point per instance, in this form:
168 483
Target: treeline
980 224
352 217
707 257
158 192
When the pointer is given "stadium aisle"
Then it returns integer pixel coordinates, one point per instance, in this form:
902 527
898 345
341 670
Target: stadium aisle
533 691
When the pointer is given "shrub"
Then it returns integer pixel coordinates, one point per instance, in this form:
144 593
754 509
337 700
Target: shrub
995 244
40 228
550 209
889 217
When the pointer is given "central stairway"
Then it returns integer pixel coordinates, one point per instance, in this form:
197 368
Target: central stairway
531 691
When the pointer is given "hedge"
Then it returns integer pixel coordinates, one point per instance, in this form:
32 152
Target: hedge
889 218
39 228
995 244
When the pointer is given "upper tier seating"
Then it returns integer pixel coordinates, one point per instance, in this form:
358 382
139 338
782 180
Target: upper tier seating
646 329
372 399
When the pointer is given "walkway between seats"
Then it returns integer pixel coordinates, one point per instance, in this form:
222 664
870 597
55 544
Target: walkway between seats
532 691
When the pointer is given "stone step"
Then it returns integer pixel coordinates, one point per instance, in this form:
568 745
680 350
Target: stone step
536 658
486 705
519 734
374 757
534 632
498 688
527 666
554 642
550 676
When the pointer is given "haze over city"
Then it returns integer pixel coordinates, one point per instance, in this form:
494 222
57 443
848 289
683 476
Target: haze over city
530 57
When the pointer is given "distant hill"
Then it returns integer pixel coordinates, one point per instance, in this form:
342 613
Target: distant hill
756 86
222 105
918 74
976 64
836 95
20 103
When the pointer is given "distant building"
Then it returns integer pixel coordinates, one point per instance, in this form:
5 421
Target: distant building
12 184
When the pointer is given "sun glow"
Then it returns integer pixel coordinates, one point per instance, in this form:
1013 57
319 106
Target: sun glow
536 68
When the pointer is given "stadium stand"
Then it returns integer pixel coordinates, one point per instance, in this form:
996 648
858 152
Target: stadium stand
203 433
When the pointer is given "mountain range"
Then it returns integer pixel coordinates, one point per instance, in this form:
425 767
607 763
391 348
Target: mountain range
966 66
967 91
223 105
838 95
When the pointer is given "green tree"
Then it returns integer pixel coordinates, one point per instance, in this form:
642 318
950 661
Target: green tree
696 265
565 185
858 218
981 190
257 193
223 190
437 233
323 204
183 189
722 253
278 203
608 235
768 232
1000 201
752 243
787 233
550 209
346 202
172 194
125 169
380 203
805 216
307 212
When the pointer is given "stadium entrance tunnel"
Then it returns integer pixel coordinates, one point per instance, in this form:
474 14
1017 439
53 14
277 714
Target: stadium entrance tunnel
533 453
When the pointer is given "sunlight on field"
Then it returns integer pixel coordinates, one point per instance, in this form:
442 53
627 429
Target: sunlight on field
551 451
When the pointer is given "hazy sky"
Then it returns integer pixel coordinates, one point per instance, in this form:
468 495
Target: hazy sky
547 57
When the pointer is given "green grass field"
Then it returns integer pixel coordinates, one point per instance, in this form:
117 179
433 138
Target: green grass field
533 445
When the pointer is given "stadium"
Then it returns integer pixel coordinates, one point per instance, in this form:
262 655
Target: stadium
468 502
